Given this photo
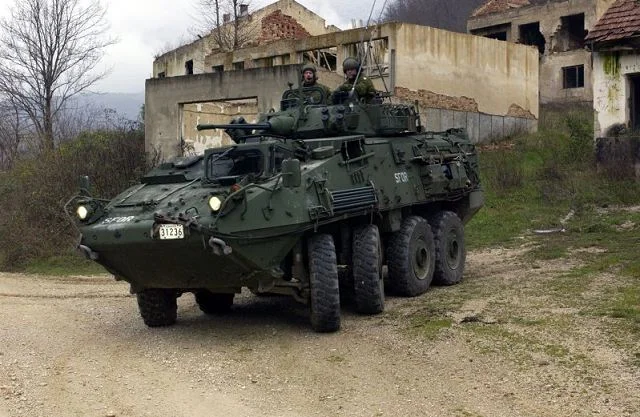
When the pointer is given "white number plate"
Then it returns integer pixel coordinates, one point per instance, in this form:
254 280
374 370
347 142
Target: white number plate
171 231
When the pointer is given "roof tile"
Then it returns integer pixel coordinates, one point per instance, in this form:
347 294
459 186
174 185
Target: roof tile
620 21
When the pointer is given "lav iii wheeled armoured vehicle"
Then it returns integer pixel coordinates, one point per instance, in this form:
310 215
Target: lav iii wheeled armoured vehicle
309 201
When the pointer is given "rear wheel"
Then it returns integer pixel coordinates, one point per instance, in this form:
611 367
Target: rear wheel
214 303
158 307
411 258
367 270
323 279
448 231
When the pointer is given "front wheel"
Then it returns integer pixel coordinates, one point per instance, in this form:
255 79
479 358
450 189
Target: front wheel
448 231
158 307
324 283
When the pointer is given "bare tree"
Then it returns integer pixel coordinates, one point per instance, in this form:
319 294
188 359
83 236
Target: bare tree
228 22
12 129
49 50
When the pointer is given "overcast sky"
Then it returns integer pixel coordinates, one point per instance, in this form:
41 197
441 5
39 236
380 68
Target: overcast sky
144 27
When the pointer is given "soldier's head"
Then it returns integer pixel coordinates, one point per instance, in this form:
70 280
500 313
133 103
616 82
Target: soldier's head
309 74
350 67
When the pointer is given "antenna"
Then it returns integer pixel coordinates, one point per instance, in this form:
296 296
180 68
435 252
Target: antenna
365 53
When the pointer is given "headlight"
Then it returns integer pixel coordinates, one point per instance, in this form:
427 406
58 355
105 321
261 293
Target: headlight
215 203
82 212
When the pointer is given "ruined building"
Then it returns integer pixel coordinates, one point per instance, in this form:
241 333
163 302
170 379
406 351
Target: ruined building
615 42
459 80
557 29
284 19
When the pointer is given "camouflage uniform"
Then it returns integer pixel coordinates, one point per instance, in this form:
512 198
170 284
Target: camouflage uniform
325 90
364 87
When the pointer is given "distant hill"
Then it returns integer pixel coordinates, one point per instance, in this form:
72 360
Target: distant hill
127 105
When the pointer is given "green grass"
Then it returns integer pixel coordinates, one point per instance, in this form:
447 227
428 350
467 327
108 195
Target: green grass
71 264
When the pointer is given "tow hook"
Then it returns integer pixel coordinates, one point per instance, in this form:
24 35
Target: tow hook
219 246
86 251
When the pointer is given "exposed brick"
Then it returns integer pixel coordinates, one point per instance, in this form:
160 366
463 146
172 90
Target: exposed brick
434 100
276 26
517 111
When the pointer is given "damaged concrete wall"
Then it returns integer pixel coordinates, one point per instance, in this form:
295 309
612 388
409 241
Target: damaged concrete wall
459 80
212 112
611 89
474 73
557 40
281 19
165 100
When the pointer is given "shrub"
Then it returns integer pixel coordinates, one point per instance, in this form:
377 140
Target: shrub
33 193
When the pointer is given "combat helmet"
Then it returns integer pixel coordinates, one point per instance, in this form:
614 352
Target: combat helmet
309 67
350 63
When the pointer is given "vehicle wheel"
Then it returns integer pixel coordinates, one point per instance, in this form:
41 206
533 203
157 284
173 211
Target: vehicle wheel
367 270
450 250
411 258
158 307
213 302
323 279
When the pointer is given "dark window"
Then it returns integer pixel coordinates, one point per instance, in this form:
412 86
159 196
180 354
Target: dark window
501 36
573 77
188 67
530 35
635 101
238 65
161 74
217 68
234 163
572 30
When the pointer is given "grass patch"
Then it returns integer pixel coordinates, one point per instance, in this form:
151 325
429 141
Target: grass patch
71 264
430 327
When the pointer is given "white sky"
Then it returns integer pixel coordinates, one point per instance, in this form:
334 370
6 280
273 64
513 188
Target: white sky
144 27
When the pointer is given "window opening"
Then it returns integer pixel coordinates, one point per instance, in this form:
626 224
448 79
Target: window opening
634 81
217 68
571 33
237 66
530 35
573 77
162 74
498 32
322 58
188 67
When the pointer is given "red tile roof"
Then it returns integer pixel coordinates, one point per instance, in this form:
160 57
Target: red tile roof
498 6
620 21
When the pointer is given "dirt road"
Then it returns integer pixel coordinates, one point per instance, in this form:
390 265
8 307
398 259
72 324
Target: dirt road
77 347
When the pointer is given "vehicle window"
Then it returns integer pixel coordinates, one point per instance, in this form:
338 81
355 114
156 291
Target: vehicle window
234 162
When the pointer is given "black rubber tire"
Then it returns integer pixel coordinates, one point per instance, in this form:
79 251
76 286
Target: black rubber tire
158 307
448 232
411 258
213 302
323 279
367 270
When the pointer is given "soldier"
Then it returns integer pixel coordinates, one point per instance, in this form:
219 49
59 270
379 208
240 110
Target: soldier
310 79
364 87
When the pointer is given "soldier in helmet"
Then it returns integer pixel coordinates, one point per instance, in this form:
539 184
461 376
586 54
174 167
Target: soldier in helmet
310 79
364 87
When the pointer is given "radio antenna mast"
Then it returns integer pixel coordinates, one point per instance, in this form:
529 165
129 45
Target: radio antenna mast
364 52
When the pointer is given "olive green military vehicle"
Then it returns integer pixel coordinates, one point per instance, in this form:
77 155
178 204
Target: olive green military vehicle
311 201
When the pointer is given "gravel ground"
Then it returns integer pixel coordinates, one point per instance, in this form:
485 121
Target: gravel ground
76 346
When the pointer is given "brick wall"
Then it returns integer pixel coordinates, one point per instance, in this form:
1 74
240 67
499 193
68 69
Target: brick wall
276 26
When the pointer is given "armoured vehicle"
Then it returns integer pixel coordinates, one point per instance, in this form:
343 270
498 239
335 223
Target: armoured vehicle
311 201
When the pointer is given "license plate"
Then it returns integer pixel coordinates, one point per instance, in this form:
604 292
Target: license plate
171 231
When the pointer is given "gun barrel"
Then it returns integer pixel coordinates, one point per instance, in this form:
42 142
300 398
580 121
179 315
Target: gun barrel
250 126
